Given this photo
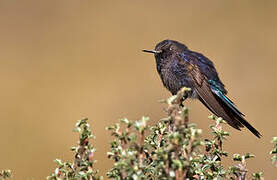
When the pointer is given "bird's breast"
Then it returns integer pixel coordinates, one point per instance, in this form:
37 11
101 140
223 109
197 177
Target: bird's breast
174 76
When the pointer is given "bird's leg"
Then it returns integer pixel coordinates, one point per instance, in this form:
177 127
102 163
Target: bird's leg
185 96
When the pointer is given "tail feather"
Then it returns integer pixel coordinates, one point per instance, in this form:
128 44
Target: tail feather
235 114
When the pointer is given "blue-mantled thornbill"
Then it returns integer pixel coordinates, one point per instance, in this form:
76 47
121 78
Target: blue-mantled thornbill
180 67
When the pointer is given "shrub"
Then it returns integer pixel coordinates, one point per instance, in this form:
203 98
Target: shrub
171 149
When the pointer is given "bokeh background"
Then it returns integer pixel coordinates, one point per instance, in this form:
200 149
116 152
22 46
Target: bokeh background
62 60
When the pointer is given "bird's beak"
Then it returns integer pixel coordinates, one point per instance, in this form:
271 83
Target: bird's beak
151 51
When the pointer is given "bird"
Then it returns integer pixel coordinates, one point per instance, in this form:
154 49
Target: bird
179 67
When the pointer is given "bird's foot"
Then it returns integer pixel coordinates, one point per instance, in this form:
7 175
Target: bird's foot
183 99
182 95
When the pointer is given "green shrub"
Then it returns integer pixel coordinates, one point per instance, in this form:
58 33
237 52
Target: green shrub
82 167
171 149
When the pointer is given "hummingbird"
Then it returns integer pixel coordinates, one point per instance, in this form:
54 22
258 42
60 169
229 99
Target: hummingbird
180 67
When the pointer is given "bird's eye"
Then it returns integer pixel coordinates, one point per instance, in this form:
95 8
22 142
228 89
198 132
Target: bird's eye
171 48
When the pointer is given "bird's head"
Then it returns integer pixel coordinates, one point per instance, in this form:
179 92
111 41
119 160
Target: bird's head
166 49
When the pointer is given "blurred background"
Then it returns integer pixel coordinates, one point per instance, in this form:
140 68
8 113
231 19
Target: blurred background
67 59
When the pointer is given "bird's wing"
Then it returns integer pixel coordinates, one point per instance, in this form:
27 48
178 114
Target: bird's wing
207 68
206 96
225 99
215 100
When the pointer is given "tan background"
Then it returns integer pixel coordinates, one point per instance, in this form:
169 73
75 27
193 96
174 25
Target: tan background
64 60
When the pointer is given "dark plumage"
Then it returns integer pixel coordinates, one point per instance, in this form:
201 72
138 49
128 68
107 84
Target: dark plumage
178 67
